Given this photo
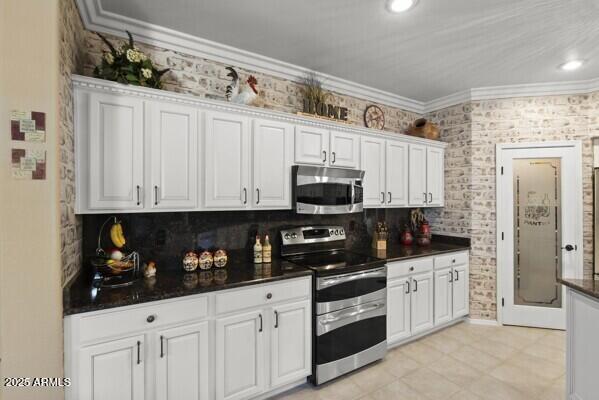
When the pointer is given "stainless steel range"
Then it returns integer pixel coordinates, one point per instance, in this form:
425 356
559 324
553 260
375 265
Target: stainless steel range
349 300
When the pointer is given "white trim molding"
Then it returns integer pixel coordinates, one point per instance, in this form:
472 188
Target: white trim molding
486 322
95 18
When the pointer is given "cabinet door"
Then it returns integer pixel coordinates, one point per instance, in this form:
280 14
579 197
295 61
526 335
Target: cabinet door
422 302
311 145
344 150
173 134
397 173
443 295
226 152
272 160
435 168
112 370
240 356
398 310
182 366
461 291
291 348
116 147
372 161
417 175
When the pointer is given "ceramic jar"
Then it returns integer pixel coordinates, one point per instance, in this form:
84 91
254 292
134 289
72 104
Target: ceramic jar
220 258
190 261
206 260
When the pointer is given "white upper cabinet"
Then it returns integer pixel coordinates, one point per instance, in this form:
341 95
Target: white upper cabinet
345 150
311 145
272 158
173 140
372 161
397 173
115 151
435 176
417 178
226 155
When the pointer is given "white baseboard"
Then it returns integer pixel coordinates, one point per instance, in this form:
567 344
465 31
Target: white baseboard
487 322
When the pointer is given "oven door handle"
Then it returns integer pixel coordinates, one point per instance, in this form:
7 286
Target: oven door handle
336 319
325 283
353 313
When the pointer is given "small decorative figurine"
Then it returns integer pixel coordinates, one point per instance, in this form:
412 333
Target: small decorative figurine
190 261
206 260
406 237
150 269
220 258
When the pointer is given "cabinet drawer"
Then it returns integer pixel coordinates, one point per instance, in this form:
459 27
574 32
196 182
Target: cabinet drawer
122 322
261 295
451 260
413 266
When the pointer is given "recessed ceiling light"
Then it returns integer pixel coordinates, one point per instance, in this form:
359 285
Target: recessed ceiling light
571 65
398 6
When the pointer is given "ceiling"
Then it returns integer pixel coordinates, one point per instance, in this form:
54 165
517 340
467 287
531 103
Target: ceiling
438 48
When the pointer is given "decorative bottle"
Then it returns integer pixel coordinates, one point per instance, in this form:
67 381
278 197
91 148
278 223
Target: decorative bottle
266 250
257 251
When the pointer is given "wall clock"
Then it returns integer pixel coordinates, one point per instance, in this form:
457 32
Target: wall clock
374 117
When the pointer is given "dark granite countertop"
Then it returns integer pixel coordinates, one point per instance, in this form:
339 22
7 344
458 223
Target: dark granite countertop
169 283
590 287
397 252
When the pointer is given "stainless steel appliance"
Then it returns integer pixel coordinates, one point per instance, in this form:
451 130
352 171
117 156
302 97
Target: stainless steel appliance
596 220
321 190
349 300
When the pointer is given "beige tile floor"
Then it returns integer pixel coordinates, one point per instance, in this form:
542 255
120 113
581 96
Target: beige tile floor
462 362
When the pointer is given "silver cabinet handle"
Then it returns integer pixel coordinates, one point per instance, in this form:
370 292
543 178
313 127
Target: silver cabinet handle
138 352
155 195
431 197
450 276
325 156
389 201
245 196
457 275
138 200
425 197
383 196
276 319
415 285
260 316
257 196
161 346
334 158
408 288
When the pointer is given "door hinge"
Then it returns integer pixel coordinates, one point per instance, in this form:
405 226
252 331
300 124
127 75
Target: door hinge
502 302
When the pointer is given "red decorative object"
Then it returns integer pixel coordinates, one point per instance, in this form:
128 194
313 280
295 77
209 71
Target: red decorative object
406 238
424 234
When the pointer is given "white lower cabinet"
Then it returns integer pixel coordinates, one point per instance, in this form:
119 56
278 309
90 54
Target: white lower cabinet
247 343
112 370
424 293
182 367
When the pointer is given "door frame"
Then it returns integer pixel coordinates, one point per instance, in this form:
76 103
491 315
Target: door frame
500 220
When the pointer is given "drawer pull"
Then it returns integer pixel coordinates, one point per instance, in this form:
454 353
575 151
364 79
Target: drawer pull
453 261
411 268
269 296
151 318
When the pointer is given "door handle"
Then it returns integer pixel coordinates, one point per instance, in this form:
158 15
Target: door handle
408 288
334 158
383 195
325 156
245 196
260 316
138 200
138 352
569 247
389 201
155 195
276 319
258 196
450 277
425 197
457 275
161 346
431 197
415 285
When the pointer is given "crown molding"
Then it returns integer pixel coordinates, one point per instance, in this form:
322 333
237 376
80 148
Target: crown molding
99 20
100 85
95 18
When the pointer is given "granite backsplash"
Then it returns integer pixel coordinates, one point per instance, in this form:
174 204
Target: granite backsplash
165 237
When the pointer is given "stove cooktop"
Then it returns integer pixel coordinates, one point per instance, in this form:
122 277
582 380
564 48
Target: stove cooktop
335 262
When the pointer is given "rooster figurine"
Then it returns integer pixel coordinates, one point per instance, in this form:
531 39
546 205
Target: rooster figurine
244 94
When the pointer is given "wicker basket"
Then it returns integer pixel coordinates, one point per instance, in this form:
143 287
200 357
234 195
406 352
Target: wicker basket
424 129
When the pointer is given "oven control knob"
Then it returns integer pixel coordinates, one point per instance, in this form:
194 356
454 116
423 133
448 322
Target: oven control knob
293 235
287 236
341 231
336 231
331 232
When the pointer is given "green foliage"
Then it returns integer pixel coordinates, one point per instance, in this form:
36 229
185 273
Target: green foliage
128 65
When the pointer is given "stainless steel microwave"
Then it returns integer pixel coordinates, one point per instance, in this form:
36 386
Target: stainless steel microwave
321 190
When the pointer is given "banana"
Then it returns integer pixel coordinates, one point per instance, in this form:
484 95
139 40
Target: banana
117 236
